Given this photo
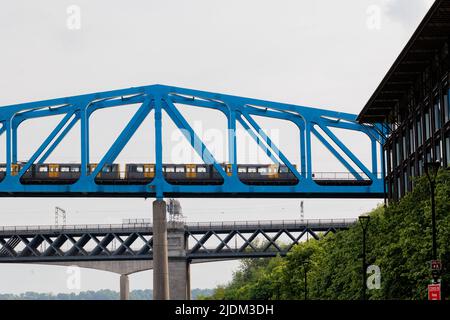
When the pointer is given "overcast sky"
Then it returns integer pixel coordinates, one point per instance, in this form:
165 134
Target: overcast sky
322 53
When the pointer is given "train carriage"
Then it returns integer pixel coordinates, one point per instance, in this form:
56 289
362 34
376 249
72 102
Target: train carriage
266 174
177 174
109 174
195 174
141 173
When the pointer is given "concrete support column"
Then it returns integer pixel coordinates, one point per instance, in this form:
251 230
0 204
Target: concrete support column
180 287
160 252
124 287
188 278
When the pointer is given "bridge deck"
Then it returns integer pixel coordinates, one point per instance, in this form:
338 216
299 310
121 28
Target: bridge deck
133 241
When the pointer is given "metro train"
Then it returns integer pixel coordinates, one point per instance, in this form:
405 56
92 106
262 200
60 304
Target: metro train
143 173
181 174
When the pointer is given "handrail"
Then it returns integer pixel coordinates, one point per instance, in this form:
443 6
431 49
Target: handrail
188 225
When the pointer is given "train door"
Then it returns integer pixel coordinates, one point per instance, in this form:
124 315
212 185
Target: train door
191 171
53 170
14 169
149 170
229 170
273 171
92 167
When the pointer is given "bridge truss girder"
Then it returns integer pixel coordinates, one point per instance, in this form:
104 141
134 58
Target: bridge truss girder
158 98
105 244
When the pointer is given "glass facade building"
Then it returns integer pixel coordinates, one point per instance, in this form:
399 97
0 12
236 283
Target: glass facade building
413 103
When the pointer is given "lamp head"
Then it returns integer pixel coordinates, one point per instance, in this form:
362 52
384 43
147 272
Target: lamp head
431 168
364 221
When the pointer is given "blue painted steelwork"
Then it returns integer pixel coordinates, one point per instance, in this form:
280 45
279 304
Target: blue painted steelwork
156 98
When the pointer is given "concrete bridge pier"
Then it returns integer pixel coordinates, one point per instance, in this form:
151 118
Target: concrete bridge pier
179 279
179 265
160 257
124 287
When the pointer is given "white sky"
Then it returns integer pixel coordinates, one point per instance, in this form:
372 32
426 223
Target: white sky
316 53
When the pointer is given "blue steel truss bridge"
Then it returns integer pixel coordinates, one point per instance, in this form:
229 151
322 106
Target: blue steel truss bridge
202 241
36 177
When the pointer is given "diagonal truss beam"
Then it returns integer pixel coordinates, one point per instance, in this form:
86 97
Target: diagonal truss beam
124 137
45 144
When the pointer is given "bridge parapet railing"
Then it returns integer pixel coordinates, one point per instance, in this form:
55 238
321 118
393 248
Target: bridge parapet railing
269 224
74 228
189 226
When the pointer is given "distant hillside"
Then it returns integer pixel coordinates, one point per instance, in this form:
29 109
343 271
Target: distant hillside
94 295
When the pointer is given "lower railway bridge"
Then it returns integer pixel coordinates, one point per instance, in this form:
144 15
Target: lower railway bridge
128 248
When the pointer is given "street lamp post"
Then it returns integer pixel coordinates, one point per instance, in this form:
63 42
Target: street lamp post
305 269
431 169
364 222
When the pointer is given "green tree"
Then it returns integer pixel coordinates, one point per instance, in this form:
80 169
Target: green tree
399 242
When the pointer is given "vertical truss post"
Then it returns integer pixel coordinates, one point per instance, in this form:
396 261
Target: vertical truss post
158 148
301 127
374 156
14 143
8 146
232 152
309 168
84 124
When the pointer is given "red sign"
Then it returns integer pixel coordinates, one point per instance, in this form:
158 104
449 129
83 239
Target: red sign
436 265
434 291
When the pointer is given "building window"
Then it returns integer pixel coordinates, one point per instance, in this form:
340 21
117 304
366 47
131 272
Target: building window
419 132
404 146
420 165
397 152
390 160
413 172
428 155
405 181
437 151
446 106
447 148
437 113
386 163
427 124
412 142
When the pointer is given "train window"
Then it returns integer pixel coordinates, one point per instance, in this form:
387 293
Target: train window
65 169
284 169
242 170
189 169
139 169
2 169
251 170
170 169
179 169
262 170
75 169
152 169
201 169
106 169
43 169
